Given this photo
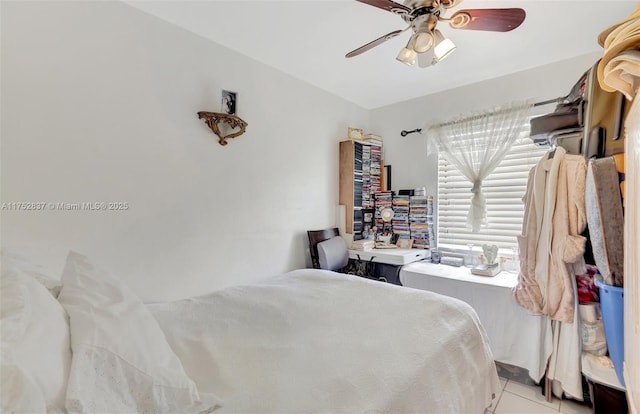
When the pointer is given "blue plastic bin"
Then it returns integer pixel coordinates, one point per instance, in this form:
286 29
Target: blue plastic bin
612 307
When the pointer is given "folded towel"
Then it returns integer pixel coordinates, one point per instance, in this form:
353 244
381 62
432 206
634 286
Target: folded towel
622 73
623 37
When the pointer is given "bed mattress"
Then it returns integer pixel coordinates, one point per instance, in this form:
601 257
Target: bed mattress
317 341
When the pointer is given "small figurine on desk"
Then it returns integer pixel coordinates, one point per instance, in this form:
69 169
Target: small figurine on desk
491 268
491 253
385 240
370 233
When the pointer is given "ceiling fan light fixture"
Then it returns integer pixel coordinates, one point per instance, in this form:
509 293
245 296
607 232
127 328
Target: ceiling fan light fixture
407 56
444 46
422 41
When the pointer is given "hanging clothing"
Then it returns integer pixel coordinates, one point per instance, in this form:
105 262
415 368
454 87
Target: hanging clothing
551 254
564 367
551 247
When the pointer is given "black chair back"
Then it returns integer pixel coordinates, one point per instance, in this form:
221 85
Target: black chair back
317 236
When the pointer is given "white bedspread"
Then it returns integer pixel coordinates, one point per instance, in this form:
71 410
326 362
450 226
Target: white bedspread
316 341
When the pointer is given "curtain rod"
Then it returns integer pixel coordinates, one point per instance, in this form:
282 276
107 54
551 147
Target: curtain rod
548 101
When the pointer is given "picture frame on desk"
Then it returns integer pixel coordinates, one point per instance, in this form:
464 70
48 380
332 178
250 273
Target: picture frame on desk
405 243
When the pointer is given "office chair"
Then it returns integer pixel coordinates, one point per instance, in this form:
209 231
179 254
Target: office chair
328 250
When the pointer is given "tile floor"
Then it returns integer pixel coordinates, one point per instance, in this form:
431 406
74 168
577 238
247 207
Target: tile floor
518 398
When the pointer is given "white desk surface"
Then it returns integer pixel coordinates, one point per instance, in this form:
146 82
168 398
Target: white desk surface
390 256
503 279
516 337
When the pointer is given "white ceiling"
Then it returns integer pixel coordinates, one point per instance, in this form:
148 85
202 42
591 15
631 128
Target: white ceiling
308 39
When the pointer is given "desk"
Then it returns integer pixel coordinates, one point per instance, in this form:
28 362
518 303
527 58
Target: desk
396 257
515 335
388 262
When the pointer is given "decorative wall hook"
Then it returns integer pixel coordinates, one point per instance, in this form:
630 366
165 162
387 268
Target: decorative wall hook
213 119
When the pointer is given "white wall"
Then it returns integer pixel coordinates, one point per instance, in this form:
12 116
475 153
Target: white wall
99 104
411 168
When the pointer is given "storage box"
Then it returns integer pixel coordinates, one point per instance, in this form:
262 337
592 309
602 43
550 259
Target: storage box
606 400
612 307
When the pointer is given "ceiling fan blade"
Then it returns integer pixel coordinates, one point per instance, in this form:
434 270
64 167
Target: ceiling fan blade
494 20
388 5
374 43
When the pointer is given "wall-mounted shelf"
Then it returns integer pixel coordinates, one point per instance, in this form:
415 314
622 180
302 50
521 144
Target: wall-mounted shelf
213 120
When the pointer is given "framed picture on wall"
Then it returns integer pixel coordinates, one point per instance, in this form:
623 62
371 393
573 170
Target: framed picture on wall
229 102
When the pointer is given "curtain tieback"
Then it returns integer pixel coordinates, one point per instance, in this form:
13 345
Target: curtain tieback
477 184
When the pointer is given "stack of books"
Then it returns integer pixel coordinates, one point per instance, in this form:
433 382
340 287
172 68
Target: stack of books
418 222
371 160
400 220
382 200
367 198
363 244
373 139
486 269
374 171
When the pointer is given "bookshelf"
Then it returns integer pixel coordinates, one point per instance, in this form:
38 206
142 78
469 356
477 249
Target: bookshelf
413 217
360 165
421 221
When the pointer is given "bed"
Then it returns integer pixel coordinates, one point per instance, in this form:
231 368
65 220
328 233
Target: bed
307 341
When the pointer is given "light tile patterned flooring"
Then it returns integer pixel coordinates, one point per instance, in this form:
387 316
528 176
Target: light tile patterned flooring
518 398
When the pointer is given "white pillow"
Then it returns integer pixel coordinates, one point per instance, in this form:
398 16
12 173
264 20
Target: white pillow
36 351
15 262
333 253
121 359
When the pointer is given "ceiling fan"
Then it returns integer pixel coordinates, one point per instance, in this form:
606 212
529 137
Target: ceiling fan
423 15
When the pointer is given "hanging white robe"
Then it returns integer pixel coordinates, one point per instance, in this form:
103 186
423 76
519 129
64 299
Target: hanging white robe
551 249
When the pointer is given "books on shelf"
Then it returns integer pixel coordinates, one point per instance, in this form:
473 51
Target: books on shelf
421 220
371 158
412 219
360 169
382 201
400 221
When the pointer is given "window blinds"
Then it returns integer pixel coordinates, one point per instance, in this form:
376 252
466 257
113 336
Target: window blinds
503 190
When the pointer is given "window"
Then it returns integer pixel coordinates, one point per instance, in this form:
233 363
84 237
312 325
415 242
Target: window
503 190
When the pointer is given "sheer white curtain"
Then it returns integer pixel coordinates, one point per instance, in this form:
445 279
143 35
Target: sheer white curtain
476 144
